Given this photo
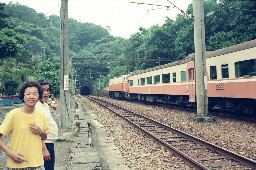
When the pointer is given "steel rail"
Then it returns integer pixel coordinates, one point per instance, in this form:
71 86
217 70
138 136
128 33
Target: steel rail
231 155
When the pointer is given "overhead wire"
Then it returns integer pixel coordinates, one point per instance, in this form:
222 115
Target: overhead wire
225 6
144 15
183 12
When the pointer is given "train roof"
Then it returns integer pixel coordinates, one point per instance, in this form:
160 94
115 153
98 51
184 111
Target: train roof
190 57
209 54
231 49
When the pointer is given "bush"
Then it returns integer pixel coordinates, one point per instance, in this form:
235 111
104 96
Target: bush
9 78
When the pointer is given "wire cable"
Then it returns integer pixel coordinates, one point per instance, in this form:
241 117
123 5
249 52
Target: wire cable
213 12
144 15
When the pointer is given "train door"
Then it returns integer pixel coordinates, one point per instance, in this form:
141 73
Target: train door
191 86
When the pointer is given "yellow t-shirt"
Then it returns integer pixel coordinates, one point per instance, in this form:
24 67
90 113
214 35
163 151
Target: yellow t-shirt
22 140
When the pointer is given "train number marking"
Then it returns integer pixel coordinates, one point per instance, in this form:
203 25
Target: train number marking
220 86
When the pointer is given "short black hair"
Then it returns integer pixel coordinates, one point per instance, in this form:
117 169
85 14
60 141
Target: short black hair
30 84
45 82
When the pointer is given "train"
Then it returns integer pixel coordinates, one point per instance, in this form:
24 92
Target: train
230 81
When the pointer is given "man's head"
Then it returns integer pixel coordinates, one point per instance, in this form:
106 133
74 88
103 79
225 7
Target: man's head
45 82
46 85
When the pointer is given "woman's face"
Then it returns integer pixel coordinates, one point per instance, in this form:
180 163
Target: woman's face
31 96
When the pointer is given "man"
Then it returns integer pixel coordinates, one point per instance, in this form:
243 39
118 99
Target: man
48 144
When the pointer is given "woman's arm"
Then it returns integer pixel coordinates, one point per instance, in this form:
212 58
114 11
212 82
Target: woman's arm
46 153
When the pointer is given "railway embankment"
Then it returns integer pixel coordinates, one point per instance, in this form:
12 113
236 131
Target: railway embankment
86 145
92 146
139 151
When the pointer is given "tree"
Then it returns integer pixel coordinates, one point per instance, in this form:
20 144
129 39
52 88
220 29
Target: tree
10 77
51 71
231 25
11 44
3 16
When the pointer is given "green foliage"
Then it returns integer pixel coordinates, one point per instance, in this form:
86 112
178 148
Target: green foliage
83 33
10 77
24 33
3 16
42 38
11 44
50 70
230 26
98 58
26 14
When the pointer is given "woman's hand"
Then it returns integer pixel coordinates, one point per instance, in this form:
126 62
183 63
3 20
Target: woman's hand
16 157
35 129
46 155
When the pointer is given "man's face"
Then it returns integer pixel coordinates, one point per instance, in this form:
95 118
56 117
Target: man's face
46 92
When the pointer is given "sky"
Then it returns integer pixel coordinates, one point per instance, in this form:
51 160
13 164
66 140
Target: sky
122 17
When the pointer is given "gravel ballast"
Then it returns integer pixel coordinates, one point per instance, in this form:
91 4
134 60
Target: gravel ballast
139 151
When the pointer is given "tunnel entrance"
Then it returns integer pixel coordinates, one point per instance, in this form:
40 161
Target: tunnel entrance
85 90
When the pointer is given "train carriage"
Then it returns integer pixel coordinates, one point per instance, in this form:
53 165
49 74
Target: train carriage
118 87
232 77
231 80
169 82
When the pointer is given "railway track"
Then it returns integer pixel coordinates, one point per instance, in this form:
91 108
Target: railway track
197 153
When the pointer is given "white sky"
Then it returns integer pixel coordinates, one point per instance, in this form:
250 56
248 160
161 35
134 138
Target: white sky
123 17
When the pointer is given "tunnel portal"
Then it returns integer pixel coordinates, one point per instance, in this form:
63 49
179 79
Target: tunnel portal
85 90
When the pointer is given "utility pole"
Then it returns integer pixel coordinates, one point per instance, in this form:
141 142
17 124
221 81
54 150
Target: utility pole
200 63
64 66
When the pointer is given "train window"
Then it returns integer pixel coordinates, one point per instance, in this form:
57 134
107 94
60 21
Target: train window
245 68
142 81
138 82
174 77
149 80
183 76
224 71
131 82
213 73
166 78
191 74
156 79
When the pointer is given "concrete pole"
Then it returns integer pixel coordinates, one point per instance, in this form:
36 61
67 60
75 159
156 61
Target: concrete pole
64 66
200 58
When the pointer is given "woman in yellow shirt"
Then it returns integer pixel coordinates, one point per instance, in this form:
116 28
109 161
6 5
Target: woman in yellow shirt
27 126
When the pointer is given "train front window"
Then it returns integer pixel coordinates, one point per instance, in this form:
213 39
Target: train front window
156 79
224 71
166 78
245 68
213 73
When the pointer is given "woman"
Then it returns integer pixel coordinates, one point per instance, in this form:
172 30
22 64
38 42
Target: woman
27 126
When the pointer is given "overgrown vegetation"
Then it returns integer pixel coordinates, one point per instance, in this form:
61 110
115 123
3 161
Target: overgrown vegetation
29 43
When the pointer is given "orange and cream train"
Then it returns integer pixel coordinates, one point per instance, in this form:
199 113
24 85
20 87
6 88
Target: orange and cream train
231 81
